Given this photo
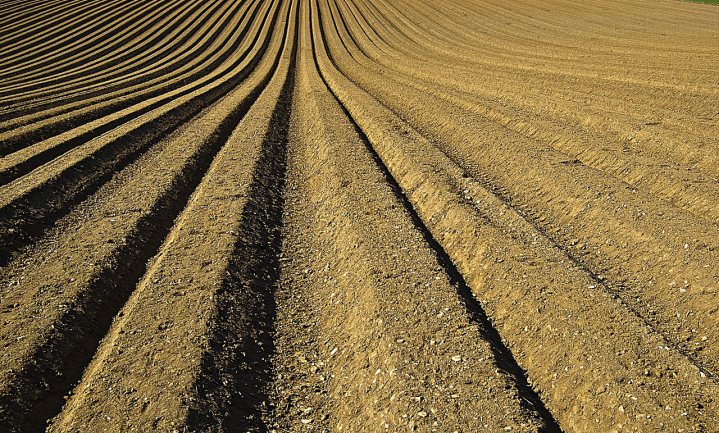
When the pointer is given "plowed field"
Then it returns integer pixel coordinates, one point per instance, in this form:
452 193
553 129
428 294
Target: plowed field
359 216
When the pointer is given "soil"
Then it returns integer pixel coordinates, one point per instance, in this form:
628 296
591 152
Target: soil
359 216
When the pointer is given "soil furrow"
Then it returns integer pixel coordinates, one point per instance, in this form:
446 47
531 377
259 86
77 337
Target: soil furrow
41 22
38 368
339 290
568 199
199 381
502 354
27 135
616 290
138 41
40 46
694 193
359 216
27 212
159 42
530 295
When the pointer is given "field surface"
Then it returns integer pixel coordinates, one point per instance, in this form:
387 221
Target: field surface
359 216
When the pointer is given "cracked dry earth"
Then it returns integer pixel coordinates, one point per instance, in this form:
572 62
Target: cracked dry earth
359 216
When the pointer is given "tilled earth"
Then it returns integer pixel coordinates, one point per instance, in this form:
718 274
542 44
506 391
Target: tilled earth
359 216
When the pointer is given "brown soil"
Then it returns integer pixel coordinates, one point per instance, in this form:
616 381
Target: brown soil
359 216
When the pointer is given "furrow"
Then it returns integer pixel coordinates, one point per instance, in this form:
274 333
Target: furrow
137 38
356 272
24 133
671 182
104 247
548 311
359 216
25 208
84 29
41 21
167 42
658 254
198 381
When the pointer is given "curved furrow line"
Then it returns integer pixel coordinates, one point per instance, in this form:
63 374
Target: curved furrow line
213 63
501 193
641 106
625 144
518 67
205 395
68 180
64 10
143 36
529 311
613 162
640 92
9 6
693 193
419 35
173 48
368 31
57 27
638 248
119 229
183 40
359 216
518 406
217 52
85 25
15 13
152 41
114 27
202 50
426 89
590 19
538 32
349 295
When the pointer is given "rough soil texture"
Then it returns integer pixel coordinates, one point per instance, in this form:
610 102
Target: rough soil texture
359 216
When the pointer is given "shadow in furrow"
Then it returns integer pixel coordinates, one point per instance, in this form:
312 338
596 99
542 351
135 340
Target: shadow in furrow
70 64
35 136
24 140
25 219
614 288
503 356
237 368
38 390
